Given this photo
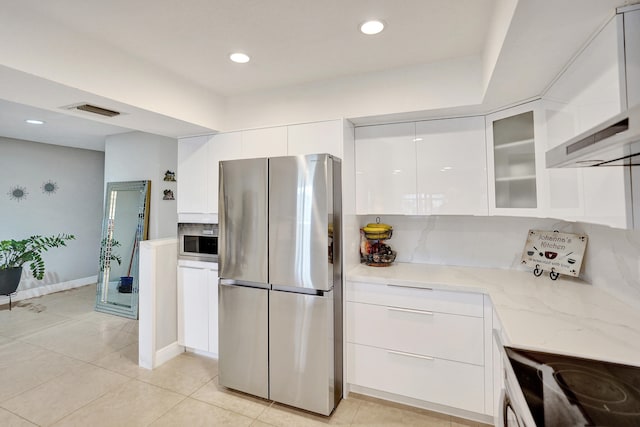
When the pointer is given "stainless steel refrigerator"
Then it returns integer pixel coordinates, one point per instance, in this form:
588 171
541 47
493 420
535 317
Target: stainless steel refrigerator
280 267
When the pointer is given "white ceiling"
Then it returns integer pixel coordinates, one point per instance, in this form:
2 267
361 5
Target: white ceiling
59 128
290 41
296 42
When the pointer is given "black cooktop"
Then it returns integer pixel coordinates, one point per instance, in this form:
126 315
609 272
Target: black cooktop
566 391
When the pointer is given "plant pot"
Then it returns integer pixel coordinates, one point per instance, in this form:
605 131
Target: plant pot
9 281
126 284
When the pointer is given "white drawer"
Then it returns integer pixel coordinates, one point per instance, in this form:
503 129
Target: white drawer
454 384
465 303
442 335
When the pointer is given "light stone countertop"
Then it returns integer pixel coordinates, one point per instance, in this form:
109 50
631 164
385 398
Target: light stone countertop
565 316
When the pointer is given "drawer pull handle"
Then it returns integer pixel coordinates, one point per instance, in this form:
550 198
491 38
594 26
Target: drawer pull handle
406 310
417 356
409 287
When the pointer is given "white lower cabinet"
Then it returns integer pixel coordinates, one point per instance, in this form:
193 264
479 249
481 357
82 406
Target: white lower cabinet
441 381
418 343
198 309
398 328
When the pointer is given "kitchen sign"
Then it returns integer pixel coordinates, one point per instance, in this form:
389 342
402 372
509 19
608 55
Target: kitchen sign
557 253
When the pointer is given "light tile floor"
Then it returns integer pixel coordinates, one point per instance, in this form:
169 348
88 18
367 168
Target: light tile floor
63 364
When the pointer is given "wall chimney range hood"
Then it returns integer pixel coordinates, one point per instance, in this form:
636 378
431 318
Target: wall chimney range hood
615 142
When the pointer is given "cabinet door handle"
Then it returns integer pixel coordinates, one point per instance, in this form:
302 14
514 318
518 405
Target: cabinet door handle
409 287
406 310
416 356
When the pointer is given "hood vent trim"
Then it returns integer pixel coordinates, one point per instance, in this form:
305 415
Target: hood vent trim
621 126
614 142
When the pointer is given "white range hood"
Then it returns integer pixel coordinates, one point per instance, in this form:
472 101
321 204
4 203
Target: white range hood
616 142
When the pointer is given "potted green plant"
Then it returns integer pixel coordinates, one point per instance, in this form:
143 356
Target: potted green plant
15 253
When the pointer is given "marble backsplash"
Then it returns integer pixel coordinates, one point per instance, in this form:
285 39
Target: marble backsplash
611 262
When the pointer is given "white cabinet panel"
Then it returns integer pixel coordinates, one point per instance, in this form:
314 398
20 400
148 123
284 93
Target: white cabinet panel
224 146
192 175
605 192
418 343
197 175
451 169
442 335
198 309
454 384
463 303
498 372
212 283
319 137
591 89
386 169
519 182
194 322
267 142
632 56
513 163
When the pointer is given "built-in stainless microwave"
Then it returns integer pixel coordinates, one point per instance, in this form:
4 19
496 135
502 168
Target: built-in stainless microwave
198 242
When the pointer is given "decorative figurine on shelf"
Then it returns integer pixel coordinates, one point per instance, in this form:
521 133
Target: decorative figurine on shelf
168 195
169 176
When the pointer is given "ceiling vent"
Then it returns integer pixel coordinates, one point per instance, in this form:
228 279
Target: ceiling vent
94 109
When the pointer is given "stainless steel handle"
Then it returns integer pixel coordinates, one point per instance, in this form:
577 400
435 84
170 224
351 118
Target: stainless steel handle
233 282
406 310
409 287
416 356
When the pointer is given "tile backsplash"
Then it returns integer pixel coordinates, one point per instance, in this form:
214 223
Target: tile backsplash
611 262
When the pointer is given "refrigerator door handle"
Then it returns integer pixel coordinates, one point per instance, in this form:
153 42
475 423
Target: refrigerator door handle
299 290
232 282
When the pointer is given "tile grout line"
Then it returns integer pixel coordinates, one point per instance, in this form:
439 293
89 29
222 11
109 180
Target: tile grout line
86 404
19 416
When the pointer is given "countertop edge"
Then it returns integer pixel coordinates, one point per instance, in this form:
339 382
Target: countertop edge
566 316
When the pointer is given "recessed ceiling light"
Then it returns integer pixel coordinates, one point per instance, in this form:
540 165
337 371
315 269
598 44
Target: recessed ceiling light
34 122
372 27
240 58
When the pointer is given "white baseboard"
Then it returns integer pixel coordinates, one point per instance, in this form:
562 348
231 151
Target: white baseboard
404 400
164 355
49 289
203 353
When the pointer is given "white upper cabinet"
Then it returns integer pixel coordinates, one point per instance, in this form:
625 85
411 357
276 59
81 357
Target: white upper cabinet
519 182
223 146
451 167
589 91
319 137
513 162
197 176
267 142
192 175
386 169
632 55
199 158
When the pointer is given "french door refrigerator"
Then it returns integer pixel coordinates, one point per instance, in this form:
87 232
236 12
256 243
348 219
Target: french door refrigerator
280 267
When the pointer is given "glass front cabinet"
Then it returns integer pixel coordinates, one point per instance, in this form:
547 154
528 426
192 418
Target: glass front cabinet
515 161
519 182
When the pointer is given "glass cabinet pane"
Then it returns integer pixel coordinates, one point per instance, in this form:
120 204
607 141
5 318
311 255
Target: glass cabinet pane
514 161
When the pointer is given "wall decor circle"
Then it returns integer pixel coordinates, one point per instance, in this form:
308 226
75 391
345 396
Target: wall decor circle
49 187
18 193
